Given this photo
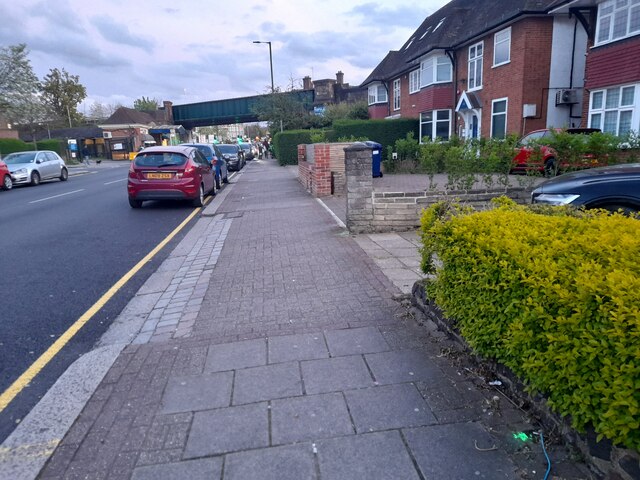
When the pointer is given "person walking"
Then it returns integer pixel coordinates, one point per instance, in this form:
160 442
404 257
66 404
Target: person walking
85 155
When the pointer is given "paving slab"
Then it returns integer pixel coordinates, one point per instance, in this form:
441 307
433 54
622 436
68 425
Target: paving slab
402 366
277 463
306 346
197 392
355 341
232 356
387 407
309 418
267 383
374 456
335 374
204 469
228 429
438 451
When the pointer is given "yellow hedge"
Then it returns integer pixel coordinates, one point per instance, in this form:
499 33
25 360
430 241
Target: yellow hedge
555 295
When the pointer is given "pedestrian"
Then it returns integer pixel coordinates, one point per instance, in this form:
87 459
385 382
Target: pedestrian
265 145
85 155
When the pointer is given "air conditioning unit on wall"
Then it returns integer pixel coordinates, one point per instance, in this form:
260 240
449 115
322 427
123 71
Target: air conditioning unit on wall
106 135
566 97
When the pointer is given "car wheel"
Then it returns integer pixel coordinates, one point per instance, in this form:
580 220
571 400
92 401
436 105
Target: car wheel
7 183
135 203
35 178
550 167
64 175
199 200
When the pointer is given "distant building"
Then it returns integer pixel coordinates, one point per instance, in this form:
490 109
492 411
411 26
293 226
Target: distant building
330 91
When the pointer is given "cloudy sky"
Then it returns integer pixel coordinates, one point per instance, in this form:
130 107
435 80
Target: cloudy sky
196 50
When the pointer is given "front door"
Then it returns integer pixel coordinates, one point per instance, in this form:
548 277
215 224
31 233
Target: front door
474 126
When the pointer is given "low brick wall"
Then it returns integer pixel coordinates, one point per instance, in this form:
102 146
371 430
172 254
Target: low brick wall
321 168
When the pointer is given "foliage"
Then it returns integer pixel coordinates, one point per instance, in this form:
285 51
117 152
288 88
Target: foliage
552 294
283 112
10 145
62 93
285 145
146 104
385 132
407 155
346 111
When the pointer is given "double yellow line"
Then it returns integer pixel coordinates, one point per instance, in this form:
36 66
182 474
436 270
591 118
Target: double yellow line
36 367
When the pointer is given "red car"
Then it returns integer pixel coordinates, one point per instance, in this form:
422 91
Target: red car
5 177
170 173
547 163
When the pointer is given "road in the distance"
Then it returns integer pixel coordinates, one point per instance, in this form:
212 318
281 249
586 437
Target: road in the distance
62 246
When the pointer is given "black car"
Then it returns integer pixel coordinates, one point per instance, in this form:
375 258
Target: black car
613 187
233 155
248 151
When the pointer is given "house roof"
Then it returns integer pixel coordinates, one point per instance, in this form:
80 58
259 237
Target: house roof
124 115
88 131
453 25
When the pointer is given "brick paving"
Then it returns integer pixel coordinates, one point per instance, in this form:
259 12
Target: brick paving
279 351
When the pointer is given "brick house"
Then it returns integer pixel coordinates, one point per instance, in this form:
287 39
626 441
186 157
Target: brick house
486 69
612 77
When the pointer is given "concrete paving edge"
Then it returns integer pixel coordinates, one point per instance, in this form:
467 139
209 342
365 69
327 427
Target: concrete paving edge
335 217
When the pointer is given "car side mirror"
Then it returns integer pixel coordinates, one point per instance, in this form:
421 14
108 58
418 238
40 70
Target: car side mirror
38 161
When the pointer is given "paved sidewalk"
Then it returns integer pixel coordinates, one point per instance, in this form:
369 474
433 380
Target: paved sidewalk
274 347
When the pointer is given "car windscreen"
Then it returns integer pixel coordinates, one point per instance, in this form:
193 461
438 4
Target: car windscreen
228 148
206 151
20 157
160 159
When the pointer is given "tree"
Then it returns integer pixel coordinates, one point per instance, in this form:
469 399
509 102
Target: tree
283 111
20 100
62 93
145 104
97 111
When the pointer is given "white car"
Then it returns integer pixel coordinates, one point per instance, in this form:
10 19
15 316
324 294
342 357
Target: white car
34 166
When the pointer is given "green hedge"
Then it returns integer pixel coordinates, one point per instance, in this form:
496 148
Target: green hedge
10 145
552 294
285 145
385 132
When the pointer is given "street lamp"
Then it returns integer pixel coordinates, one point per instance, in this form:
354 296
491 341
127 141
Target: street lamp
270 62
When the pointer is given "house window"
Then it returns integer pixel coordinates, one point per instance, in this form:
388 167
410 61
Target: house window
475 66
435 124
396 94
377 94
414 81
613 110
499 118
436 69
502 47
617 19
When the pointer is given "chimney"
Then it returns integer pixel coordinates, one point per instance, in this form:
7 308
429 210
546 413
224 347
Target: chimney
168 112
306 83
339 78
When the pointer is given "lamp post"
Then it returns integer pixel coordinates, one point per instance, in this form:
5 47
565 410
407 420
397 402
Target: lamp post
270 62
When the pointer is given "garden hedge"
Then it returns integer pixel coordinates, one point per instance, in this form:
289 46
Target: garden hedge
552 294
385 132
10 145
285 145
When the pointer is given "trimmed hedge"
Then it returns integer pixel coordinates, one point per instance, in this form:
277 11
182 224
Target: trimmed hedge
553 295
385 132
10 145
285 145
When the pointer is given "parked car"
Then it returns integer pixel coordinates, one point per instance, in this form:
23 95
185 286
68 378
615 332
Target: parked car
214 156
170 173
248 151
547 161
233 155
34 166
5 177
612 187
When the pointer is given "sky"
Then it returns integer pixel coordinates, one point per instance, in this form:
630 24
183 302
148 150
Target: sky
188 51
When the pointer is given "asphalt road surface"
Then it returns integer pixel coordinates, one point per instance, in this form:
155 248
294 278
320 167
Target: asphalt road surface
62 246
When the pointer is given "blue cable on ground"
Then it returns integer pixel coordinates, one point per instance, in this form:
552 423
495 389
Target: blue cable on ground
546 475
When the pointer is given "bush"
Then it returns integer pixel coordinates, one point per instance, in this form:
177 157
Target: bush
10 145
285 145
385 132
552 294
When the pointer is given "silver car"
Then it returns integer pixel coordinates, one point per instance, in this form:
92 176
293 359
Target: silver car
34 166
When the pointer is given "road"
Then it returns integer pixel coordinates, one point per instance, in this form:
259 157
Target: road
63 245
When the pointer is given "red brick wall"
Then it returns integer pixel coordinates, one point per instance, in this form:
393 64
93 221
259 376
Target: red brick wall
316 177
377 111
524 79
613 64
305 169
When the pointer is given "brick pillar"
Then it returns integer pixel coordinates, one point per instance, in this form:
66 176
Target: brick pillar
358 170
322 170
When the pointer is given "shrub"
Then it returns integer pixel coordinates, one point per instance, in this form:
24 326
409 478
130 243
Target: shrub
10 145
385 132
285 145
552 294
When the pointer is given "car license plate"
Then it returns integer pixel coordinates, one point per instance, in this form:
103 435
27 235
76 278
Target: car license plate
162 176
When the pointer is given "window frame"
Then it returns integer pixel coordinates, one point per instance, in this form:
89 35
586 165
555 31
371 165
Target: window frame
496 42
603 109
396 94
472 63
611 17
377 97
435 61
494 114
434 124
414 81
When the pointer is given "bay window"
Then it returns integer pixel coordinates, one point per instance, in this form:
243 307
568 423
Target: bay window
615 110
377 94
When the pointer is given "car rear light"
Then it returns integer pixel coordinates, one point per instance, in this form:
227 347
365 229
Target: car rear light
133 173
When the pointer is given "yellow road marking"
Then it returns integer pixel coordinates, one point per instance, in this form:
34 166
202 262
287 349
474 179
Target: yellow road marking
23 380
